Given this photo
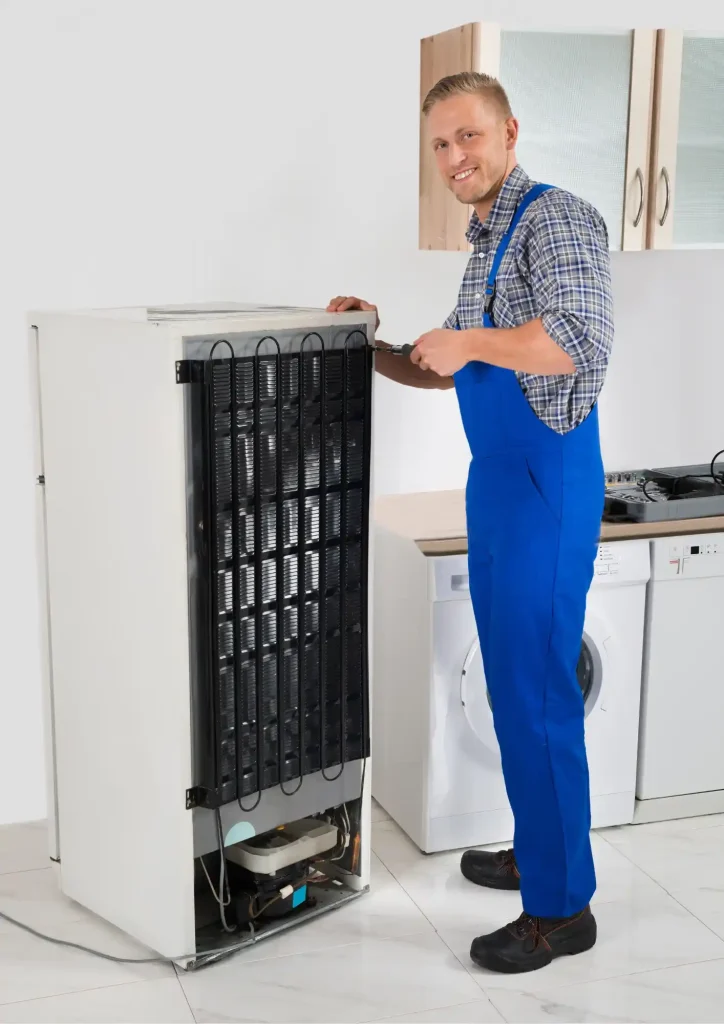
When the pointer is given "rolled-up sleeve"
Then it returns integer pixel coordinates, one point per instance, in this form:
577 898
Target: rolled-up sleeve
452 321
570 272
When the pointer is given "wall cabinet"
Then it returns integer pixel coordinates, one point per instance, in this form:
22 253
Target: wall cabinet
631 120
687 165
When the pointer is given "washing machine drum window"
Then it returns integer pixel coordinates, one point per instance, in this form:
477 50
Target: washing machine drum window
585 671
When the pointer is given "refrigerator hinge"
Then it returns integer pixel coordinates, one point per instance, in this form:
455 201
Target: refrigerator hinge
41 480
190 371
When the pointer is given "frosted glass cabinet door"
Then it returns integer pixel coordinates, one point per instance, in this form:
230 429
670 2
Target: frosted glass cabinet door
688 171
583 103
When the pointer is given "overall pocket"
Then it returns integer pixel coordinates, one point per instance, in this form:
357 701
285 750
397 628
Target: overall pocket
536 480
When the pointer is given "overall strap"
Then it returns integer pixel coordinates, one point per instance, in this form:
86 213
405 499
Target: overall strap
530 196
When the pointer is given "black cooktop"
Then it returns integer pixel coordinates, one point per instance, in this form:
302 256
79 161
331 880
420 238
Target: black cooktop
656 495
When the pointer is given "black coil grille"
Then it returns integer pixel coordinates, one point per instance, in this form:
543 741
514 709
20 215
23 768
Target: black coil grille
286 451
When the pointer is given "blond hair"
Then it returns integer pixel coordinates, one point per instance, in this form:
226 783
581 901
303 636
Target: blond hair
470 83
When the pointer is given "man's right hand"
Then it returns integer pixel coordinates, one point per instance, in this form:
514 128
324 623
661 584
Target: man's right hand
343 303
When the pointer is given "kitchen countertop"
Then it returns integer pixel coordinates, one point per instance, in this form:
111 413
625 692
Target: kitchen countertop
435 521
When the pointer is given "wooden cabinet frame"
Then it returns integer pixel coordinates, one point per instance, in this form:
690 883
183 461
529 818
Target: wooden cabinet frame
664 138
474 47
638 194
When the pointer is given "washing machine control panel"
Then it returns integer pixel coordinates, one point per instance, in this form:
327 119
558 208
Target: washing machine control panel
608 561
622 562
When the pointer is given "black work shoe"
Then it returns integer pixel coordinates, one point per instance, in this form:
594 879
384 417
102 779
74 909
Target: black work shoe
493 870
533 942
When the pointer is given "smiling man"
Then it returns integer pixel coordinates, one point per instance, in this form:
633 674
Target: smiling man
526 349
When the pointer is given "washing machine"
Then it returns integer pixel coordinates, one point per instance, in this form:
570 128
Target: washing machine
437 762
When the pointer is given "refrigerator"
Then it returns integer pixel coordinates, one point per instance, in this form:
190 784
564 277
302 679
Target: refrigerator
203 501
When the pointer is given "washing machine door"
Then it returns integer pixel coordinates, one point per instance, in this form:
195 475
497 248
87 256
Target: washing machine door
592 672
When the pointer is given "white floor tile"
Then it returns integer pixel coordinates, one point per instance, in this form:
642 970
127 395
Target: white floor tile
34 897
659 957
705 903
365 981
31 968
617 878
392 846
674 857
378 813
386 911
632 938
202 1017
481 1011
145 1002
435 883
692 993
24 847
450 901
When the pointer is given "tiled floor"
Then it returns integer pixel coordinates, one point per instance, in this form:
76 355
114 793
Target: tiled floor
399 953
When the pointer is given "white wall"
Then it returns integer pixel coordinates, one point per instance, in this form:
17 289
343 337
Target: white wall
171 150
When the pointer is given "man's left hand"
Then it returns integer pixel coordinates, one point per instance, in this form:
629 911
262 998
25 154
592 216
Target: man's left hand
443 351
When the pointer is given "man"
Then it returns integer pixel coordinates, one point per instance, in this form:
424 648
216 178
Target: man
526 349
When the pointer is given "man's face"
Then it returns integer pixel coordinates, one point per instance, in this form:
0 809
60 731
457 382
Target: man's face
473 143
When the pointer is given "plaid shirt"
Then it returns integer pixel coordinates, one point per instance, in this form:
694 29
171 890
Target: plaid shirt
557 267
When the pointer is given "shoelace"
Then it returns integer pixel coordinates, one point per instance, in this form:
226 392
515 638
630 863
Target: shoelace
527 926
506 859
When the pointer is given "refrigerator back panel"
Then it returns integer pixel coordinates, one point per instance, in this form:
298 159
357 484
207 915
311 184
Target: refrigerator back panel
280 443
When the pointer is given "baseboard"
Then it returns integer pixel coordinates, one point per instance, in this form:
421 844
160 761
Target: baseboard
668 808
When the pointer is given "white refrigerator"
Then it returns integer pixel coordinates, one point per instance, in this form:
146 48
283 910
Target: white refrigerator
204 486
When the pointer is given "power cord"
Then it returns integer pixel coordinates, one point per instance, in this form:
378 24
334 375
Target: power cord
223 902
223 883
718 477
227 899
96 952
646 494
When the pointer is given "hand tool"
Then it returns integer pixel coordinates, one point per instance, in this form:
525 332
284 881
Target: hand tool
395 350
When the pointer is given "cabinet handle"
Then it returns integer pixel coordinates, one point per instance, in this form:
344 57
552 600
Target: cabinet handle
667 182
639 214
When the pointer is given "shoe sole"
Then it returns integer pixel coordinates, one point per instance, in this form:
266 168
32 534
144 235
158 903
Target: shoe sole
504 885
491 961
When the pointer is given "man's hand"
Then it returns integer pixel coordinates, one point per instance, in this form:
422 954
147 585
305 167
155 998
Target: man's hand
443 351
342 303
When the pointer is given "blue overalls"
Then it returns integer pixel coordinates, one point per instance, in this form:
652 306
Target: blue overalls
534 502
